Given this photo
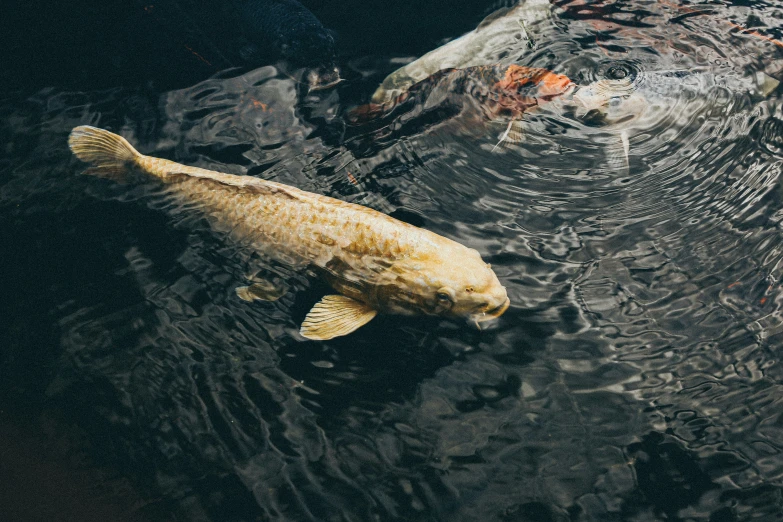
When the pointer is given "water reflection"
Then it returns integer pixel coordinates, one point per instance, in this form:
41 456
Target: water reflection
634 377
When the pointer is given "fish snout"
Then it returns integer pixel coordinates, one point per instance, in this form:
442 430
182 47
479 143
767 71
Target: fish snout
555 85
496 306
323 78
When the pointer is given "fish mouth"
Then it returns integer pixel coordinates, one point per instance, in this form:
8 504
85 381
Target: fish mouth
323 86
324 78
491 314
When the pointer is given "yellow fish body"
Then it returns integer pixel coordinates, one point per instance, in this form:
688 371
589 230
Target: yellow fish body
375 262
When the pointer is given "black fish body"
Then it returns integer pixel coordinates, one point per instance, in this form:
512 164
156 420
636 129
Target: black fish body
246 33
286 28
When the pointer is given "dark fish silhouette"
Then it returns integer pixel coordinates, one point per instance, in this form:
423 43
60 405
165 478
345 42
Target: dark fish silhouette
289 30
250 33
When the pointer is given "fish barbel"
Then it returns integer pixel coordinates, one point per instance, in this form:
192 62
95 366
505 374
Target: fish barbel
377 263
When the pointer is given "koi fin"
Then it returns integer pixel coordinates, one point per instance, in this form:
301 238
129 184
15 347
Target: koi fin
499 13
260 291
514 133
526 35
334 316
767 84
106 151
618 157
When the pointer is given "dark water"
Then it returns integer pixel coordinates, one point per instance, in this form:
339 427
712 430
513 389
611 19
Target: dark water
635 376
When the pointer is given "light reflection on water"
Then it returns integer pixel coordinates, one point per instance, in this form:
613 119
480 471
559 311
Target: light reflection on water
635 375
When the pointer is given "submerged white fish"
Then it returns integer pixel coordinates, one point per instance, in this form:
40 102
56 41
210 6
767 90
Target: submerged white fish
631 105
508 29
375 262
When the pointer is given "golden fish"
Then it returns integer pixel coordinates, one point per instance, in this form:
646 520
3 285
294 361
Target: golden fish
375 262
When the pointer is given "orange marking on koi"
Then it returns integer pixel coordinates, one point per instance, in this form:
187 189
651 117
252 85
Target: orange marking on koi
548 82
352 179
736 26
756 34
259 105
732 285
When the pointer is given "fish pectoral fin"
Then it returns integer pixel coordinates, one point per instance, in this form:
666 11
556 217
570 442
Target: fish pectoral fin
618 157
261 291
334 316
514 133
767 84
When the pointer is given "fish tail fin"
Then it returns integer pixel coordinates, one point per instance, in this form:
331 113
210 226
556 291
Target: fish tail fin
109 153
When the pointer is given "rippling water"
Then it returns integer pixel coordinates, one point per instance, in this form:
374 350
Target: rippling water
635 376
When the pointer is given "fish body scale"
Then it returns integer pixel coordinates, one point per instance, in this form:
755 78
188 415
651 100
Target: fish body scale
308 228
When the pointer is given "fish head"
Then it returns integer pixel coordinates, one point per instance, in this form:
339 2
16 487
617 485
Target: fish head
552 85
323 77
523 88
548 84
460 286
613 101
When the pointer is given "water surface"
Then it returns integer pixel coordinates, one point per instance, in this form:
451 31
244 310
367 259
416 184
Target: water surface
635 376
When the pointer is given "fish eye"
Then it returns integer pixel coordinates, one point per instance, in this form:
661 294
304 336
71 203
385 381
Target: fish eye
445 296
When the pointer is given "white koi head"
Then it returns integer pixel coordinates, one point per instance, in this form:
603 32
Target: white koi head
456 283
614 100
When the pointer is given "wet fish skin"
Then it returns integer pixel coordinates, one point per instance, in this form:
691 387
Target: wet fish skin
377 263
500 92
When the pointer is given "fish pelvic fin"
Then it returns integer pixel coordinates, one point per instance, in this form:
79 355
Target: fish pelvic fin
618 154
514 133
106 151
260 291
767 84
335 316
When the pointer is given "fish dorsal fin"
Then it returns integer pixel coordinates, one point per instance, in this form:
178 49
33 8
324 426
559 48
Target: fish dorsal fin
334 316
500 13
260 291
248 183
